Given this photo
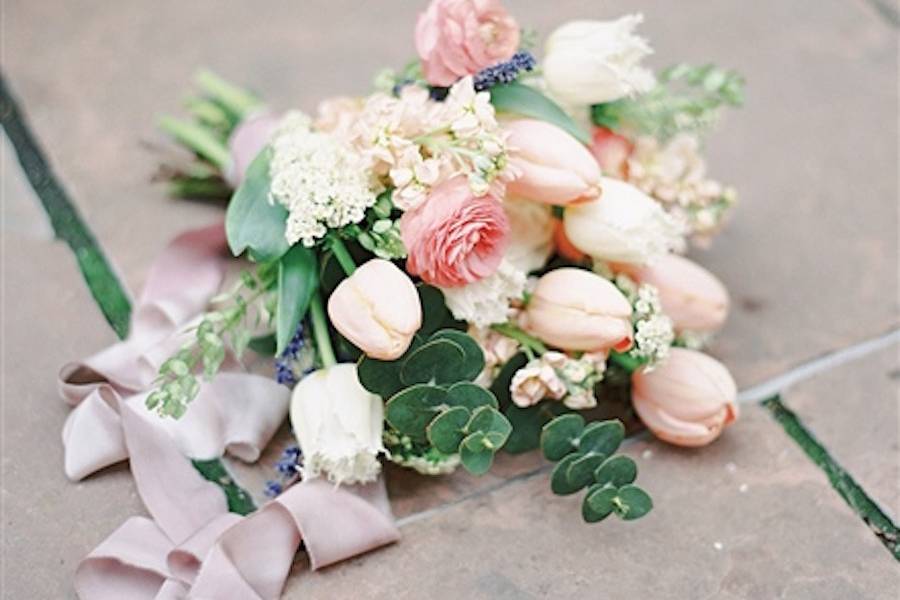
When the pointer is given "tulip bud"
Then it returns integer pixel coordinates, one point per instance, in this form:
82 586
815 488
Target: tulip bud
591 62
553 166
576 309
377 308
624 225
338 424
690 295
687 400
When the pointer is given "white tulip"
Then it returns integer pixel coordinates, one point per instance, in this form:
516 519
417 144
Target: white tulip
590 62
624 225
338 424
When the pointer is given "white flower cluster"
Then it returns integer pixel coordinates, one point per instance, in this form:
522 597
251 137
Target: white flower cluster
653 330
556 376
487 301
319 179
413 143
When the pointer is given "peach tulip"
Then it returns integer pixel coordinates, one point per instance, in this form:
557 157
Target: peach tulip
377 308
612 151
553 166
576 309
690 295
687 400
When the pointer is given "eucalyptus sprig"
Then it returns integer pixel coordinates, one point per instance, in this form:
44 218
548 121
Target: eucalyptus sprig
585 457
229 327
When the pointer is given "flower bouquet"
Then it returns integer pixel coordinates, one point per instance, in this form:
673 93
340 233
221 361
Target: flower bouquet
482 255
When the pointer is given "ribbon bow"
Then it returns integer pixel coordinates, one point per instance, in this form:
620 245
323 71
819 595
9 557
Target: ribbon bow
192 547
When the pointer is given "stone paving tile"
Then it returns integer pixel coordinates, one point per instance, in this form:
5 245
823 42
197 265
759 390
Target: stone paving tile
49 523
21 208
748 517
854 411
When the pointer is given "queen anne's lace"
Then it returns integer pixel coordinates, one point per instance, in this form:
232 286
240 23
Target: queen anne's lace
318 178
653 330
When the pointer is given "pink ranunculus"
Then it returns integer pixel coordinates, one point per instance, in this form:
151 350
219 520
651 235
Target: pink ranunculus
454 237
455 38
612 151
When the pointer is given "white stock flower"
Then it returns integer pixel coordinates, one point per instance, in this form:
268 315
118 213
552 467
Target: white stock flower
319 179
487 301
590 62
338 424
623 225
530 233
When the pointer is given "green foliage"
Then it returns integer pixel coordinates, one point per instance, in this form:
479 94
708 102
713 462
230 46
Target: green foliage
379 232
252 223
297 282
686 98
527 424
585 458
431 399
528 102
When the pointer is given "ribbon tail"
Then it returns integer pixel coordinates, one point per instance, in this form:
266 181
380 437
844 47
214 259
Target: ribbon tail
92 436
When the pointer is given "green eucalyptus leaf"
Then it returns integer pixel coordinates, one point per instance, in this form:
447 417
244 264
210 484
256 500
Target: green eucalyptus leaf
474 356
581 472
382 377
436 361
559 482
526 428
528 102
500 386
297 282
631 502
263 344
447 431
492 424
598 503
411 410
616 470
561 435
470 395
474 455
602 437
435 314
252 223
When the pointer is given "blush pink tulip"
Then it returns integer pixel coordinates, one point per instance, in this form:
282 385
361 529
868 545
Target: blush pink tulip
691 296
576 309
454 237
687 400
377 308
553 166
612 151
455 38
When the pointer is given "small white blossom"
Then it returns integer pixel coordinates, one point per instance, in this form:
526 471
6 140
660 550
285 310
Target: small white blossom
654 332
487 301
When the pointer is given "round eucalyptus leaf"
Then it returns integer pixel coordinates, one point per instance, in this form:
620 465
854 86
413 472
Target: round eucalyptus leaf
632 502
436 361
448 429
492 424
382 377
617 471
474 356
411 410
435 313
598 503
559 481
603 437
560 436
470 395
474 455
581 472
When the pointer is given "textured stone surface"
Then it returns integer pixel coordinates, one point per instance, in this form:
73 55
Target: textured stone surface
748 517
21 209
854 411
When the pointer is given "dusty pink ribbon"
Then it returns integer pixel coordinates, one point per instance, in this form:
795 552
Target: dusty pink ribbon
246 141
192 547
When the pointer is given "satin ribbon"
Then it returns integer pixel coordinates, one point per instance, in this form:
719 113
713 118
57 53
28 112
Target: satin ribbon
246 141
192 547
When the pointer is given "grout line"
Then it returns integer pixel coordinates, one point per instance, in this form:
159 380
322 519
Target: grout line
804 371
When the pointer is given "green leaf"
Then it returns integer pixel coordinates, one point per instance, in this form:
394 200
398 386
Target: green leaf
500 386
252 222
560 436
297 282
528 102
470 395
492 424
263 344
447 431
559 481
581 472
474 455
435 361
632 502
599 503
435 314
617 471
473 363
411 410
603 437
382 377
526 427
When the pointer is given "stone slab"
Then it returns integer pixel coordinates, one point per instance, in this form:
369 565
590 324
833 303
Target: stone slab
19 205
748 517
854 411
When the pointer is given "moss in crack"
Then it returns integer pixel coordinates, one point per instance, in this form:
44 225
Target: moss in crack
843 482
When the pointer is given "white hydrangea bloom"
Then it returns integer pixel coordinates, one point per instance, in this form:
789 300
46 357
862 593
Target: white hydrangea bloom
318 178
487 301
653 330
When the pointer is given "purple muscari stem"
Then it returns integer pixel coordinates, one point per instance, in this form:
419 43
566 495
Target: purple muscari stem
505 72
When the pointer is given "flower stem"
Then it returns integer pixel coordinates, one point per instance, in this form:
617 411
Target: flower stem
320 331
626 361
342 254
514 332
199 139
237 100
